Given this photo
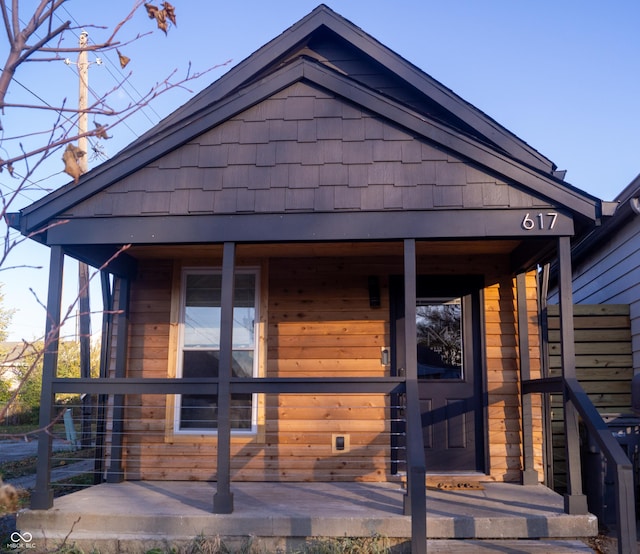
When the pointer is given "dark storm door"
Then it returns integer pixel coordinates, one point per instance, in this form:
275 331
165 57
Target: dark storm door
449 369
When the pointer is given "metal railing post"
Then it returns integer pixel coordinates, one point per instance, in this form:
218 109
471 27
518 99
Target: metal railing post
223 498
42 497
575 502
115 474
416 498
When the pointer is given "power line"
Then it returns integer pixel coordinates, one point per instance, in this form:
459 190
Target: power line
124 84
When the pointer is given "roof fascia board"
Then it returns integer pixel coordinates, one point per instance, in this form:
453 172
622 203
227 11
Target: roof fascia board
302 227
632 189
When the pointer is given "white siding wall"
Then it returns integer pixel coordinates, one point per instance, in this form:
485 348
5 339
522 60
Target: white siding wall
612 276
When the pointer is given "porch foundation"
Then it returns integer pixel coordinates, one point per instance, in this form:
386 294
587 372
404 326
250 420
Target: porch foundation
281 515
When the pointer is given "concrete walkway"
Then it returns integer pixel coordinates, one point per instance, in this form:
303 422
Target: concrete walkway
109 516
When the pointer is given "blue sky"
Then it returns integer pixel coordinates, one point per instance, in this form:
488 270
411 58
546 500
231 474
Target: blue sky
563 75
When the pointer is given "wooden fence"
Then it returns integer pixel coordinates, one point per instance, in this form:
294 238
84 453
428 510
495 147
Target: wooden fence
603 364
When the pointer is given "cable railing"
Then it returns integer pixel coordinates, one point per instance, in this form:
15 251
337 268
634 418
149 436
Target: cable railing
324 437
366 438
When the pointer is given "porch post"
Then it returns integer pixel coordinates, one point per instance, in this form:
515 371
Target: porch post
105 356
115 473
529 474
574 501
42 497
415 499
223 498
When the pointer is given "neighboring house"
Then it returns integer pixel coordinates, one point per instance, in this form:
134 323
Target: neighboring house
10 363
377 237
607 262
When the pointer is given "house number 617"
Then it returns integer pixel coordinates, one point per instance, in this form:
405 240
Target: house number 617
540 221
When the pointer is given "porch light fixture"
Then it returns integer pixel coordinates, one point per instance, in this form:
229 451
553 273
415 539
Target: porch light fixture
374 291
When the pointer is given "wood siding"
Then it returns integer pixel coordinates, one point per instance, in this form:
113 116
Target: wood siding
603 366
503 378
319 323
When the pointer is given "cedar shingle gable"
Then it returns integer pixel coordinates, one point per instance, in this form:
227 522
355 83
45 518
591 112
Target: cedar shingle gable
274 158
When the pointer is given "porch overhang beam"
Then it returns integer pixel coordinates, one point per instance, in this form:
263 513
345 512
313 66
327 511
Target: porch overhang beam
326 226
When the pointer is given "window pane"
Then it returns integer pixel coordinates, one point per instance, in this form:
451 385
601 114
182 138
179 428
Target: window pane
204 289
200 411
243 327
201 346
201 326
202 311
204 363
200 363
439 327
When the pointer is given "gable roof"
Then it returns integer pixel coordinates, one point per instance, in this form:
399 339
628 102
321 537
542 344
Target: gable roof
383 82
627 209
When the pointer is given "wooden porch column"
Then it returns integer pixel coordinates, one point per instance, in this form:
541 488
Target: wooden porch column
42 497
223 498
574 501
529 474
115 474
415 499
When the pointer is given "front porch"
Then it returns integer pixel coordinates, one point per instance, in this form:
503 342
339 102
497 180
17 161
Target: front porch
141 514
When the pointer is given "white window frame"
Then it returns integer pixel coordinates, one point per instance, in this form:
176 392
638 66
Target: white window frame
180 350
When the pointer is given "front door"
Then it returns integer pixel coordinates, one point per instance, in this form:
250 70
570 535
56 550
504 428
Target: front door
449 369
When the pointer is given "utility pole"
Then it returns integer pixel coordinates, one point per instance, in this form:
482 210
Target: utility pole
84 303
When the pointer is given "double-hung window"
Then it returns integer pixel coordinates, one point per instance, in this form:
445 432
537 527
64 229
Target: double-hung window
199 347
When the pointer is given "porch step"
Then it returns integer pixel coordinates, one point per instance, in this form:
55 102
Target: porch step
178 511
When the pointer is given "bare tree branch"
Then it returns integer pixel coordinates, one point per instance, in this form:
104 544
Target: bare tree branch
38 45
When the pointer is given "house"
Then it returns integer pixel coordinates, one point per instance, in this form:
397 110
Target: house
607 263
322 268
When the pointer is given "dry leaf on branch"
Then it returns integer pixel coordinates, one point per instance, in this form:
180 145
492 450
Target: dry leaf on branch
171 12
9 167
70 158
124 60
101 132
161 15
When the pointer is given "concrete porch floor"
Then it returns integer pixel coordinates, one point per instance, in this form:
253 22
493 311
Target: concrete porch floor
136 512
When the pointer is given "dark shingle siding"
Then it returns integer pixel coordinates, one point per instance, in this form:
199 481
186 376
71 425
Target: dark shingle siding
303 150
